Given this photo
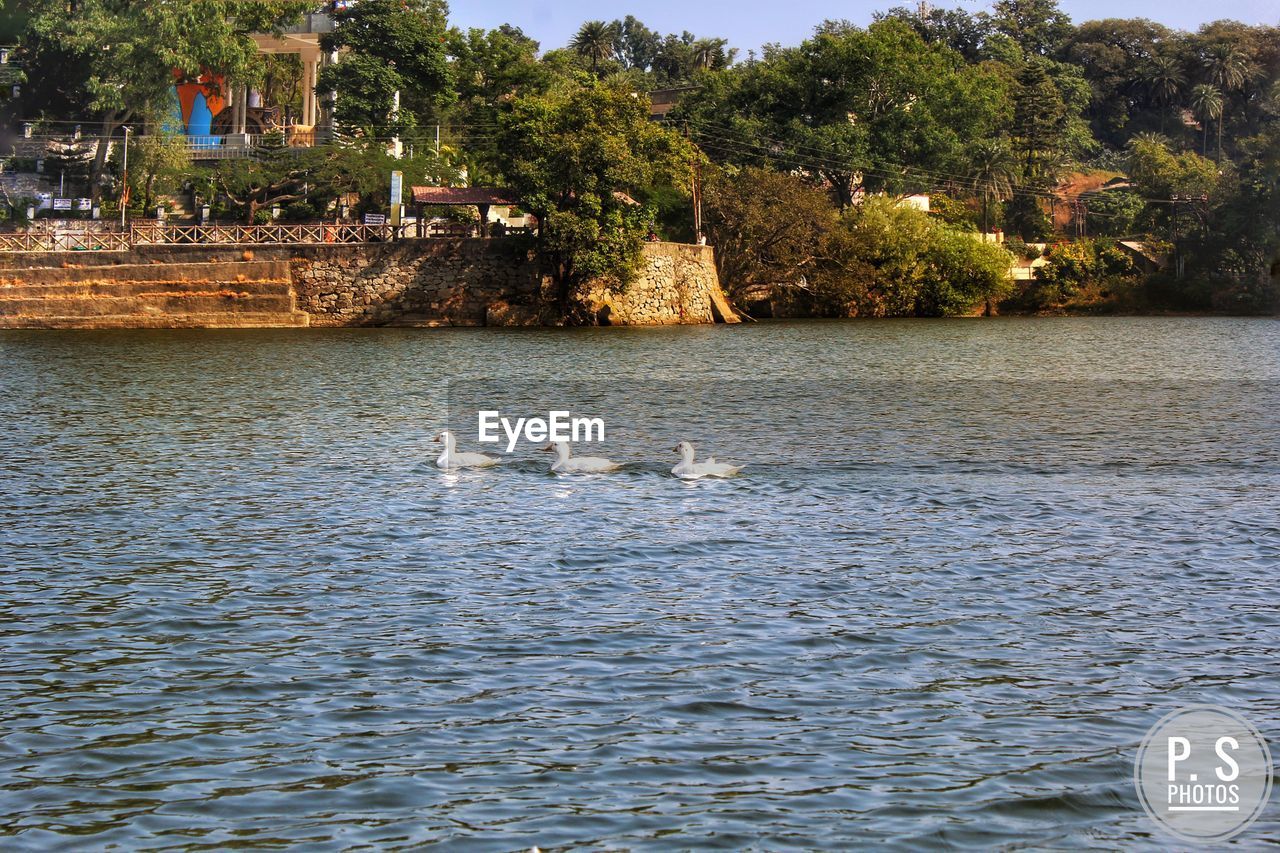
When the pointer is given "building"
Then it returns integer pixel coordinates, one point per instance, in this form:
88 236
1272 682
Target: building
222 119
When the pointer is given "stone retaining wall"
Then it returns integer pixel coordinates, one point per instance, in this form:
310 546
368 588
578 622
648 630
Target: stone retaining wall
419 282
472 282
430 282
678 284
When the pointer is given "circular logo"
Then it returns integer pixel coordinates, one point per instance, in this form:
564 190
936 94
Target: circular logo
1203 773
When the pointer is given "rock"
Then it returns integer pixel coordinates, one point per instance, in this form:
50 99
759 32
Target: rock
503 313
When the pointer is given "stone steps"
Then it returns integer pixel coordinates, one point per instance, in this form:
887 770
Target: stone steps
105 288
74 305
219 320
182 295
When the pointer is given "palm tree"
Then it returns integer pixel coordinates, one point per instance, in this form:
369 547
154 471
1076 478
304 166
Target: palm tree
1228 69
1164 80
992 171
710 53
1206 101
595 41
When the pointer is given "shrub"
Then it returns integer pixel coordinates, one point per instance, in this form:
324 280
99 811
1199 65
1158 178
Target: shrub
1022 250
889 261
1071 266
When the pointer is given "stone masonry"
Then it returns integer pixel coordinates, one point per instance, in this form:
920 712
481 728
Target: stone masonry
430 282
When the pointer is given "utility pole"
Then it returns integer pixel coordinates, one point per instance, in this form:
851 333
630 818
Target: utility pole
697 192
437 140
124 179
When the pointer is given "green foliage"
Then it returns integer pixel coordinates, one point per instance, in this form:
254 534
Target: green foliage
390 46
1160 173
1114 213
1071 266
128 51
1021 250
987 112
158 166
964 33
887 260
316 176
952 211
866 124
1025 217
490 68
594 42
1038 27
768 228
575 154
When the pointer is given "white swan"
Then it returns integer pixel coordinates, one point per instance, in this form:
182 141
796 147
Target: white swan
690 470
452 459
580 464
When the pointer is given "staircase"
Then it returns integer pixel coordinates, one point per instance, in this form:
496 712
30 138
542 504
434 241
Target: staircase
250 294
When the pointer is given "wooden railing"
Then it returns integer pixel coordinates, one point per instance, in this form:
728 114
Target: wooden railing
90 239
65 241
159 235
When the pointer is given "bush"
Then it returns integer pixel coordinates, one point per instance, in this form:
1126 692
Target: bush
952 211
1024 251
891 261
298 211
1114 213
1069 267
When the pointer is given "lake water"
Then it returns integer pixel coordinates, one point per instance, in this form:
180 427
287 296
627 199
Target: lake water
969 563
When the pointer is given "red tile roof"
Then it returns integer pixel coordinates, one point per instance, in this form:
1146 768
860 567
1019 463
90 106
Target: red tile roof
463 195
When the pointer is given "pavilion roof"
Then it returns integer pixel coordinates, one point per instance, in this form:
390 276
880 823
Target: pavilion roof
463 195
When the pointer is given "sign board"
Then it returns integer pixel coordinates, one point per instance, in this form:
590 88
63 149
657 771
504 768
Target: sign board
62 204
84 204
375 219
397 190
397 187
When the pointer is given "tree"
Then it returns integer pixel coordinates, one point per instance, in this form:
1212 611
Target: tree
887 260
993 172
768 228
1229 70
395 69
635 44
1115 57
491 67
576 156
127 53
1228 67
1161 174
1040 121
594 41
160 161
964 33
1113 213
1164 81
875 108
1206 101
1039 27
320 175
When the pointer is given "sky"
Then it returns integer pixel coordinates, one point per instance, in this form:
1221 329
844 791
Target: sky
748 24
